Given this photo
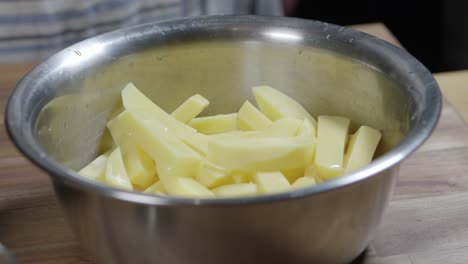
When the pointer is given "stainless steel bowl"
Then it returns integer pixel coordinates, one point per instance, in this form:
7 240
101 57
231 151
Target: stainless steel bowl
57 115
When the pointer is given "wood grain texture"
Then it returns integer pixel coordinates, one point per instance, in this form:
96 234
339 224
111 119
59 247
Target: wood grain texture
426 222
453 86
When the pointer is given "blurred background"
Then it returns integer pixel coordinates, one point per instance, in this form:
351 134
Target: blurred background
433 31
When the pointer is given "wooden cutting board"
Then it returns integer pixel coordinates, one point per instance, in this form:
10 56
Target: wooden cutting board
426 222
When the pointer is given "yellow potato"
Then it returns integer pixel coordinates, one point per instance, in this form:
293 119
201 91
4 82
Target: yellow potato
276 105
156 188
250 118
229 134
271 182
135 101
264 154
116 175
140 167
96 169
307 129
197 142
186 187
332 132
215 124
212 175
361 148
311 172
241 176
303 182
236 190
132 98
293 174
172 156
192 107
285 127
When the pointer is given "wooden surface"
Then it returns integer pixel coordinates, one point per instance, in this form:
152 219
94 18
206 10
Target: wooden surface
426 222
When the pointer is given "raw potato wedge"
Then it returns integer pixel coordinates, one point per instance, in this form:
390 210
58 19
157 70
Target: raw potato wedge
260 154
241 177
229 134
303 182
271 182
189 109
212 175
132 98
276 105
293 174
332 132
186 187
361 148
249 118
116 175
285 127
135 101
197 142
236 190
156 188
215 124
140 167
173 157
311 172
96 170
307 129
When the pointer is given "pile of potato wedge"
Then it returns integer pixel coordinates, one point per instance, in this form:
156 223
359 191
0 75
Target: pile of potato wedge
274 148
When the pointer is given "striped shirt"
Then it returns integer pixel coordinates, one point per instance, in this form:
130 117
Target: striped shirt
34 29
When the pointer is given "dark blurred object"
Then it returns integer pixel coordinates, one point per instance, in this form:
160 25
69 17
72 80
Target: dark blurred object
456 34
433 31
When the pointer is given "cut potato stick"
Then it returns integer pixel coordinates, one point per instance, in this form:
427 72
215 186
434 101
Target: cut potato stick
96 169
236 190
116 175
156 188
285 127
132 98
191 108
136 101
304 182
186 187
332 132
307 129
172 156
276 105
293 174
271 182
140 167
212 175
241 176
361 148
260 154
250 118
311 172
215 124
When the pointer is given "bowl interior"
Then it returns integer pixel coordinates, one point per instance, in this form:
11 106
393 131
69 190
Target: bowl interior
71 126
